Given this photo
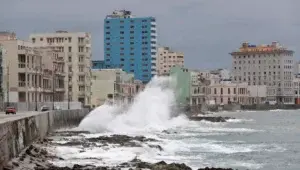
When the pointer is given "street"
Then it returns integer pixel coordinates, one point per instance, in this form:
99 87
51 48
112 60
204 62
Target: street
11 117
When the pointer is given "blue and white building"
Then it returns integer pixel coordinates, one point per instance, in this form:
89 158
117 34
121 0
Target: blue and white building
130 43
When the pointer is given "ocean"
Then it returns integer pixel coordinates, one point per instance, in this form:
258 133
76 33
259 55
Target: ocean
253 140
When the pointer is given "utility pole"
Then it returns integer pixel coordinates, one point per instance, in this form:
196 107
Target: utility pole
36 88
68 94
53 89
7 84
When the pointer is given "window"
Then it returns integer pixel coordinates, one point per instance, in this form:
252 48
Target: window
81 58
81 69
70 68
107 22
121 32
70 49
228 90
215 91
33 40
41 39
70 59
81 88
70 39
80 49
81 78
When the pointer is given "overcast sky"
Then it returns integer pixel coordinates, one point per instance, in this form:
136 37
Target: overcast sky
205 30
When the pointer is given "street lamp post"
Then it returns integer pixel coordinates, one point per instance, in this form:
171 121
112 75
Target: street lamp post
53 90
36 88
7 84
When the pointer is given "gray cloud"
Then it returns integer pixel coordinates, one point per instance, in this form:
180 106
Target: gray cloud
205 30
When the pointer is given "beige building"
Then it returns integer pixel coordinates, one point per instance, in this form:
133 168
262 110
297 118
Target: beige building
167 59
28 72
76 49
227 92
270 65
105 84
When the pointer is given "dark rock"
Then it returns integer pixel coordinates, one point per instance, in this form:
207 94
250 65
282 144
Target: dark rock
43 152
122 140
144 165
207 168
210 119
157 147
15 164
161 163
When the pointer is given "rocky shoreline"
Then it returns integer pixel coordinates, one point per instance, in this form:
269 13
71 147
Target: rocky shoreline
210 118
37 157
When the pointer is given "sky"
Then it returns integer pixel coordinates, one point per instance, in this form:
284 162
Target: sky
205 30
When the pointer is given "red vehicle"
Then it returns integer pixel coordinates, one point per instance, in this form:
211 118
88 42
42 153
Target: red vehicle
11 110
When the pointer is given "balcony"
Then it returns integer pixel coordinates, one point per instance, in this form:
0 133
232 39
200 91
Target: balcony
60 89
22 84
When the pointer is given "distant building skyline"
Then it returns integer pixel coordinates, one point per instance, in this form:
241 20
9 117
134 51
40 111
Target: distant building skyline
205 31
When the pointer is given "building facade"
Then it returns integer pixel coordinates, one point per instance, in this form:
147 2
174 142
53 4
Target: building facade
130 43
271 65
76 49
167 59
29 73
105 84
227 92
98 64
127 90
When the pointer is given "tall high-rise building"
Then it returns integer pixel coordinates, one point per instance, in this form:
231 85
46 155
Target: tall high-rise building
271 65
76 47
166 59
130 43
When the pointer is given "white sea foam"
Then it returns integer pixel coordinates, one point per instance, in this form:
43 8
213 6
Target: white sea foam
239 120
150 111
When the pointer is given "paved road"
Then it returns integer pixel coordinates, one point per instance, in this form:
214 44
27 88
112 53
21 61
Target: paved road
5 118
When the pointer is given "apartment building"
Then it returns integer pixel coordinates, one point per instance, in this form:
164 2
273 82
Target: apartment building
28 72
167 59
130 43
227 92
106 84
76 49
271 65
190 88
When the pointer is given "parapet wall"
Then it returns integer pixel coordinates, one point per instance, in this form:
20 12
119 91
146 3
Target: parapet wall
17 134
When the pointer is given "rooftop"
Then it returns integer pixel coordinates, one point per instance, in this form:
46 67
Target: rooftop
120 14
263 48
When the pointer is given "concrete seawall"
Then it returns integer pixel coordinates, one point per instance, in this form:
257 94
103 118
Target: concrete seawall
19 132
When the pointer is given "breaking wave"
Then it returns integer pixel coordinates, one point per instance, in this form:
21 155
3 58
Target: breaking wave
151 110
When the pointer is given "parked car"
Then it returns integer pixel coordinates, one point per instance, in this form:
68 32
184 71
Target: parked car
11 110
45 108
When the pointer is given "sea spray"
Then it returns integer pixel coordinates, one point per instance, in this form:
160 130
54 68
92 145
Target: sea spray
151 110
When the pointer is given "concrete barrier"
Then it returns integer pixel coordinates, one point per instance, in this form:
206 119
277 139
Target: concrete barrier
18 133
